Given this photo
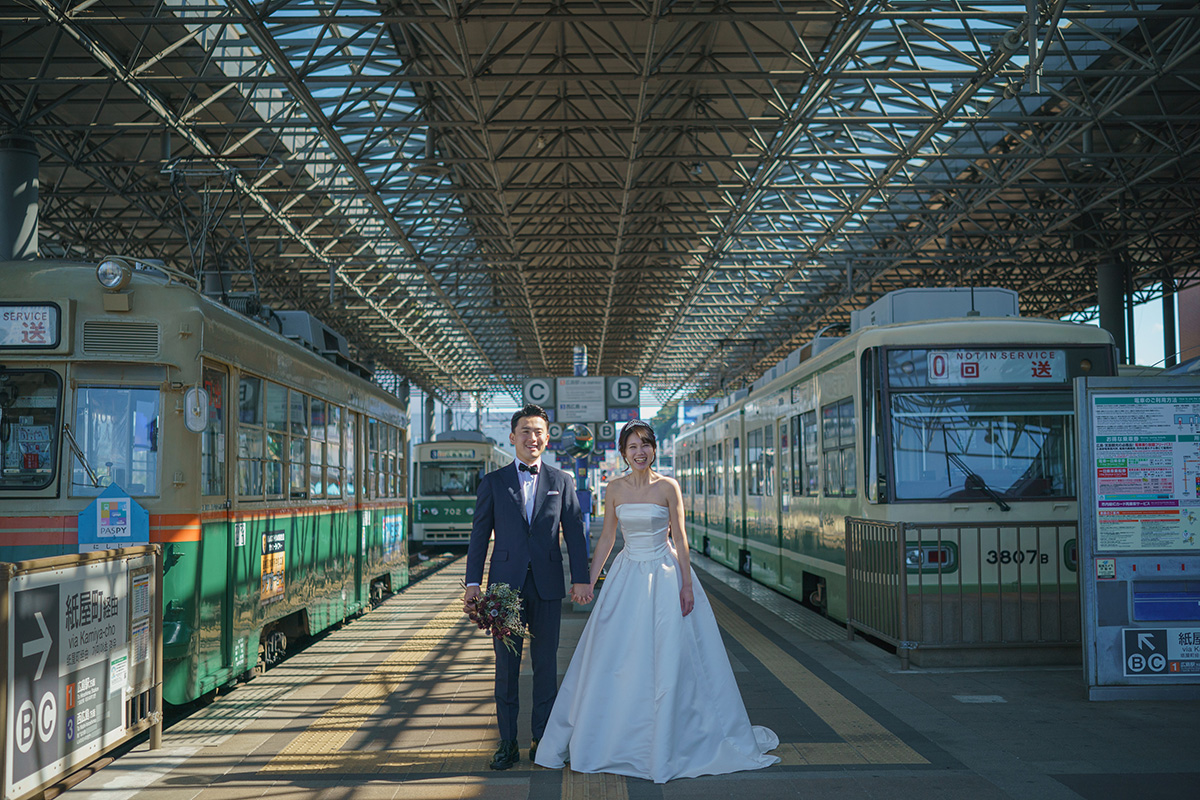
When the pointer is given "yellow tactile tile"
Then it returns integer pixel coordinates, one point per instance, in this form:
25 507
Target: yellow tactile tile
866 740
596 786
329 733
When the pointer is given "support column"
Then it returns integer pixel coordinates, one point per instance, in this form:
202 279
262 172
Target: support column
429 415
18 197
1189 323
1110 297
1168 315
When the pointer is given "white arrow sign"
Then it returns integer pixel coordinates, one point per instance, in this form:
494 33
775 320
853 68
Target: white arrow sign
1145 640
39 645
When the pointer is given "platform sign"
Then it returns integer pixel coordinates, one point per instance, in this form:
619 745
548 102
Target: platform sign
584 399
69 668
1139 516
113 520
539 392
579 399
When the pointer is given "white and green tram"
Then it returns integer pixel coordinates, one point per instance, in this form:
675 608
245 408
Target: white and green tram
446 475
962 423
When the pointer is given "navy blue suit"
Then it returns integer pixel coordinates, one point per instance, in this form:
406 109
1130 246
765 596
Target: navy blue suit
528 557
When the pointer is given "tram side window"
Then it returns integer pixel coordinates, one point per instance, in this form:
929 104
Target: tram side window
277 439
333 451
735 466
698 472
250 437
393 462
350 470
812 463
371 480
785 462
837 439
30 414
116 428
796 456
316 447
405 449
212 438
298 419
754 462
769 460
715 465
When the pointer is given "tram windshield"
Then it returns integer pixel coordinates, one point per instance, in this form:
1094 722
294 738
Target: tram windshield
448 477
982 446
30 414
116 428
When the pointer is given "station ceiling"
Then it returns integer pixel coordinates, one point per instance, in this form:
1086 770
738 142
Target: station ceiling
689 189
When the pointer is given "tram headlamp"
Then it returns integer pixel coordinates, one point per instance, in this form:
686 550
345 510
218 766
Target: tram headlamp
114 275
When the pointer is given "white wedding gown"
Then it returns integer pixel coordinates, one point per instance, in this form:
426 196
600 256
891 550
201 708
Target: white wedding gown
649 692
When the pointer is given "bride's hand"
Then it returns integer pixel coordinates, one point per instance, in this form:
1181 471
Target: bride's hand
686 601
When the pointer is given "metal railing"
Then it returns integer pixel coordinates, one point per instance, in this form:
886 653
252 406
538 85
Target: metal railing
968 591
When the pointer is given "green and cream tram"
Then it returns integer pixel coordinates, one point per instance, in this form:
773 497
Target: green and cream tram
446 474
960 422
273 477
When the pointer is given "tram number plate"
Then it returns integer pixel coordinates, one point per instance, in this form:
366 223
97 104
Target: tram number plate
1030 556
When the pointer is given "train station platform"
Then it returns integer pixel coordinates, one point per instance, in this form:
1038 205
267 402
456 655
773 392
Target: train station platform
398 704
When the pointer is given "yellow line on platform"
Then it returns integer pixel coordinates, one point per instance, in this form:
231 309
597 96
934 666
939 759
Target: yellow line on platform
864 741
317 748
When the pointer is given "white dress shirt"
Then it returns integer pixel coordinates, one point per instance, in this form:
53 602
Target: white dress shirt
528 487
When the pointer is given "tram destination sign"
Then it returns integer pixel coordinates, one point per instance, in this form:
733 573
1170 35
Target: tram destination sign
29 327
967 367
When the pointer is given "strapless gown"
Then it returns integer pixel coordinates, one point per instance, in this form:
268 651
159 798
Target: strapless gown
649 692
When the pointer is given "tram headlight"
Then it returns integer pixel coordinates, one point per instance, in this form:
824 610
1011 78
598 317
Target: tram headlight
113 274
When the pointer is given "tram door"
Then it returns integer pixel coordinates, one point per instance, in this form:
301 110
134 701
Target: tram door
218 577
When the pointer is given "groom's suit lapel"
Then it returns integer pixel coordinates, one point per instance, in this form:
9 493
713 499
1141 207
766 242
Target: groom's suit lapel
512 484
543 486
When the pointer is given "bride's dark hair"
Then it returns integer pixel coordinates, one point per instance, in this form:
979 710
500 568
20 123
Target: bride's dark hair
642 429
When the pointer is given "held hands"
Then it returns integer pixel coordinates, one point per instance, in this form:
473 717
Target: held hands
470 595
686 601
581 593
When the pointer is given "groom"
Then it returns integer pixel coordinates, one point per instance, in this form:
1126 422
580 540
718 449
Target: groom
525 503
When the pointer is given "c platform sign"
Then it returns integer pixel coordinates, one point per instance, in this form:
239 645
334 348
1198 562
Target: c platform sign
539 392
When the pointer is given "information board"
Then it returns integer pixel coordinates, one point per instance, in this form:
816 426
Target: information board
80 643
1139 559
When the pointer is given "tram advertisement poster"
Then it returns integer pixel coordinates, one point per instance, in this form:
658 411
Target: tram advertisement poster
273 559
1147 472
68 662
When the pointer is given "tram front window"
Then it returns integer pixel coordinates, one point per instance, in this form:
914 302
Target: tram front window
960 446
448 478
30 410
116 428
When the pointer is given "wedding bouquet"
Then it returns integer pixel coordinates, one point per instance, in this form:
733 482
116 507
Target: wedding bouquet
498 611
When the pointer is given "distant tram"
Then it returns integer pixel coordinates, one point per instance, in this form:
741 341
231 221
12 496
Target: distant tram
273 478
446 475
967 421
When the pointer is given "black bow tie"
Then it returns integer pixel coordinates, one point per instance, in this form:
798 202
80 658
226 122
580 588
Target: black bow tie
532 469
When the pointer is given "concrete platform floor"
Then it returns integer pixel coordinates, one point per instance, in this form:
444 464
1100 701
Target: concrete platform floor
398 704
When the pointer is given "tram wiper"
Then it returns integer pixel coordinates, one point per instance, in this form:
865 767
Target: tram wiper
82 458
976 483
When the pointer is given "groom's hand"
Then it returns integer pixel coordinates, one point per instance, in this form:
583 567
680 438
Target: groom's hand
472 593
581 593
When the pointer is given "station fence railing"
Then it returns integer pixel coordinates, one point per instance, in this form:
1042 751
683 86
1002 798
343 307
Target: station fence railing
949 594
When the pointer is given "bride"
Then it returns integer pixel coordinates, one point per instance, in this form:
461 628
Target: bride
649 692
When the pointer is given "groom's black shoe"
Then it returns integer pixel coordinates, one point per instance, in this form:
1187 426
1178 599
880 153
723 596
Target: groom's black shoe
506 754
533 750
